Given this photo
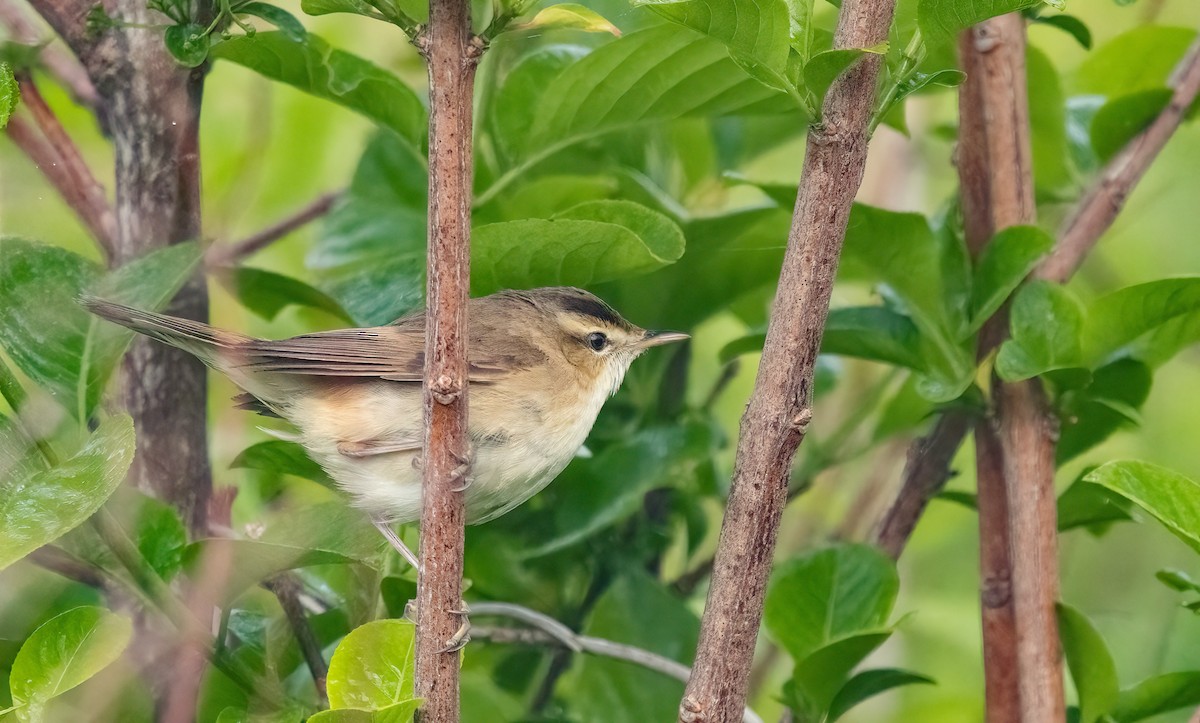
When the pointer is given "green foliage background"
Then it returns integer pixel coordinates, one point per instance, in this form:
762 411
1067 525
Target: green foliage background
269 148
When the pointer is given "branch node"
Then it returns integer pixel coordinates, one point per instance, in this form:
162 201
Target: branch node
802 419
445 390
690 711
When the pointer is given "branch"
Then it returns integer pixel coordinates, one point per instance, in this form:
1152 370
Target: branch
1099 208
453 55
66 69
63 563
286 588
231 254
1015 445
779 409
551 632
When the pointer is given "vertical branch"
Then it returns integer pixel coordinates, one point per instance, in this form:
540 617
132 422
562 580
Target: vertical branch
453 55
1015 444
779 410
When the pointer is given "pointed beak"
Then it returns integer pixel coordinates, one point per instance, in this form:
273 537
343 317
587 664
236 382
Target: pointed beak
658 338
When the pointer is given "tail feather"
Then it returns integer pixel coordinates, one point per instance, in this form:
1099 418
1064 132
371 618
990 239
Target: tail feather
201 340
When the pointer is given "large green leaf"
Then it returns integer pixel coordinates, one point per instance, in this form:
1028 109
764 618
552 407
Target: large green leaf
1108 71
280 457
1123 317
755 31
1005 262
873 332
940 20
267 293
1160 694
655 74
51 338
819 676
1092 507
1174 500
372 667
517 103
315 67
402 712
1046 322
41 508
829 594
64 652
590 243
1123 117
1091 664
868 684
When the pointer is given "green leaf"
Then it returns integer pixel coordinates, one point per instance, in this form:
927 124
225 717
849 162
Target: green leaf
1069 24
372 667
188 44
399 713
1091 415
159 534
281 457
1046 322
317 68
1160 694
517 103
277 16
587 244
39 509
875 333
51 338
328 7
1177 580
1047 121
870 683
266 293
572 16
825 67
829 594
940 20
1091 664
656 74
1108 72
64 652
1171 498
1005 262
756 32
10 94
821 674
1092 507
1160 316
1123 117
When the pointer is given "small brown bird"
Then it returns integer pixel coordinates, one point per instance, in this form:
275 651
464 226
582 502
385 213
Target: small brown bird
542 362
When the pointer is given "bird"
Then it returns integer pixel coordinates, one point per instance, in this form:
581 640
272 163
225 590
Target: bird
541 363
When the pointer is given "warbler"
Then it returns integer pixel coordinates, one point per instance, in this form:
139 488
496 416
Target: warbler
541 364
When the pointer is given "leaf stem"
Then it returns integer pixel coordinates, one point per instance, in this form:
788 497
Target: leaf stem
914 53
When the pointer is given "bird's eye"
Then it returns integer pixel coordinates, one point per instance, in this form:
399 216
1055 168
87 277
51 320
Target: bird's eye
597 341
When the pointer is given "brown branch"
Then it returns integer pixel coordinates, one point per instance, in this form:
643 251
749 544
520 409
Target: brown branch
779 409
286 588
453 56
63 563
232 253
1099 208
65 68
1015 445
71 176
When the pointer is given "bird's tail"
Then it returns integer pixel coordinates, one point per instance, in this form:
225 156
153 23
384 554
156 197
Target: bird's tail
201 340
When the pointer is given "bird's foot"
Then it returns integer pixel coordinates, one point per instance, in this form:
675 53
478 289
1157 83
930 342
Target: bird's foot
460 476
460 638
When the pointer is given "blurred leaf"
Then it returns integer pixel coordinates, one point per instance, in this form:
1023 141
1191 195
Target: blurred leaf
1177 580
1069 24
10 94
266 293
635 610
159 534
756 32
940 20
1005 262
1047 121
1174 500
1094 413
570 15
893 114
188 44
277 16
62 653
1160 694
1092 507
39 509
1123 117
281 458
317 68
1091 664
329 526
1161 316
1108 71
828 595
255 561
589 243
873 332
402 712
868 684
51 338
655 74
904 411
827 66
1046 322
819 676
327 7
372 667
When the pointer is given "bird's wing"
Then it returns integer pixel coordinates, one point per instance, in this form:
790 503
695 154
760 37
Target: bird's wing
394 353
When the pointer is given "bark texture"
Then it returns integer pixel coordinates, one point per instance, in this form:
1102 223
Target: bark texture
779 410
452 55
1015 444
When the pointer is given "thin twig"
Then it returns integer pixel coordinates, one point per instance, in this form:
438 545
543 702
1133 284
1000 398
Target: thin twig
551 632
779 409
65 68
60 561
232 253
286 588
81 189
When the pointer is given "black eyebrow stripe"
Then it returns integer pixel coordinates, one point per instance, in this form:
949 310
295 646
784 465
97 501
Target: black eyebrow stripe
591 307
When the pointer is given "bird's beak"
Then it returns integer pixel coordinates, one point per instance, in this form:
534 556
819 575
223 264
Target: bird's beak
658 338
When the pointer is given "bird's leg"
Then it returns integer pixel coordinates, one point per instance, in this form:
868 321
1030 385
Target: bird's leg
460 474
397 543
460 638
